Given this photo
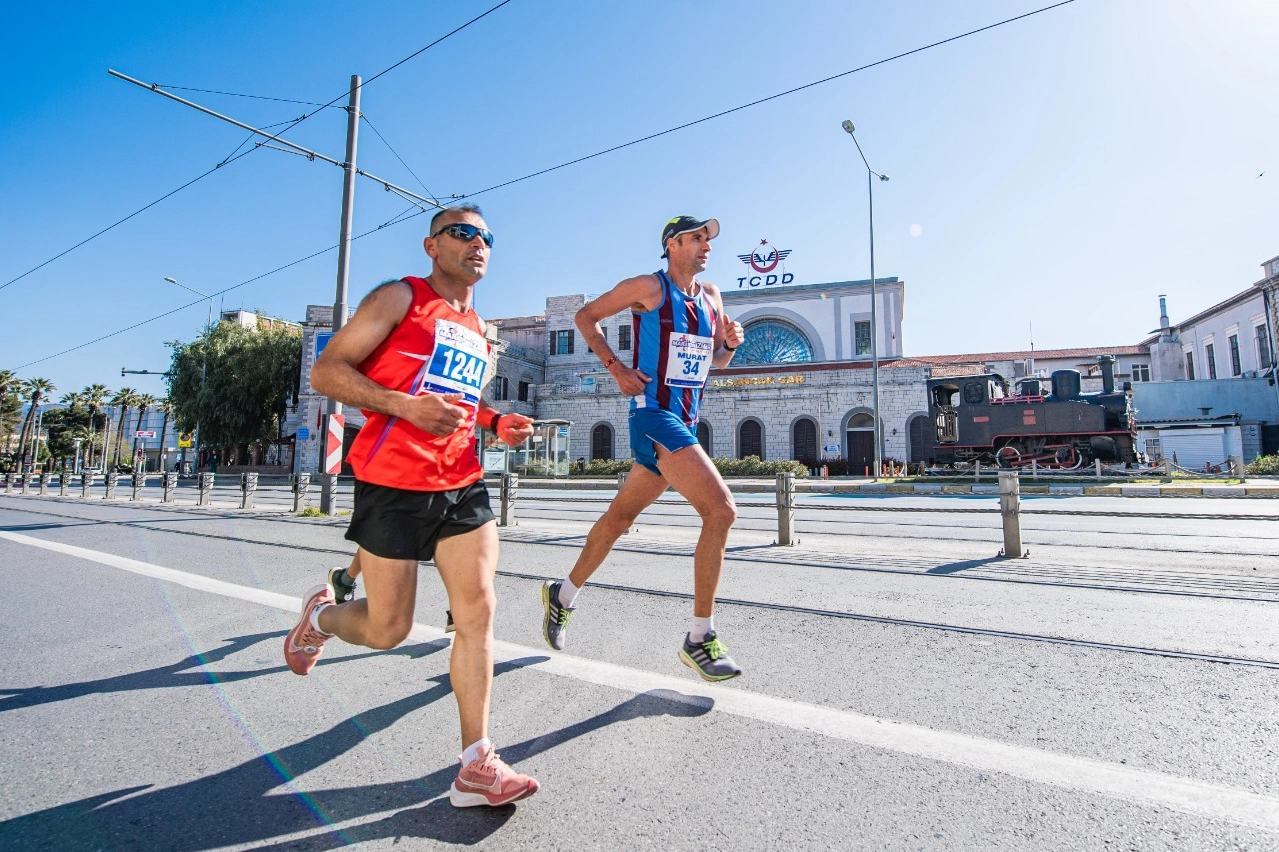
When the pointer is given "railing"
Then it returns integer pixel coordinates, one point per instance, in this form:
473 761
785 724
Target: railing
240 490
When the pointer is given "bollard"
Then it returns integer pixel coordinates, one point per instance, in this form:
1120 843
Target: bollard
248 485
786 509
508 490
112 479
621 480
44 484
1010 513
206 485
301 483
86 482
825 472
1097 468
8 483
139 481
330 485
64 482
977 471
1034 470
1236 466
169 481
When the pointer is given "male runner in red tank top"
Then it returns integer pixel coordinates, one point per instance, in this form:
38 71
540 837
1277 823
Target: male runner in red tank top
414 358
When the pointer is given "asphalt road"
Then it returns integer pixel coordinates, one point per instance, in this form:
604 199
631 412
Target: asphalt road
904 688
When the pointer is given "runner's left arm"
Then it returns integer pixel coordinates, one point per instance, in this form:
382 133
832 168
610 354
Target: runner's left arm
728 332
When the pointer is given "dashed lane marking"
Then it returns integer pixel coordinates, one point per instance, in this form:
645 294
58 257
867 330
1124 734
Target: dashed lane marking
1187 795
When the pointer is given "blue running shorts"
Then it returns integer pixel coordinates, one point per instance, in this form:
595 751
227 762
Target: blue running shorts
650 426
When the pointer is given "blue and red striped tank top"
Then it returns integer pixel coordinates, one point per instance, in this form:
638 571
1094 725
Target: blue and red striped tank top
674 344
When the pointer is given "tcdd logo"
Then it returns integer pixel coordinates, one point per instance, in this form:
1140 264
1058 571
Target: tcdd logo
764 259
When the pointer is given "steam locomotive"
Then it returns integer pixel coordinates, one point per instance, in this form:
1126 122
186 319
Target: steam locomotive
975 418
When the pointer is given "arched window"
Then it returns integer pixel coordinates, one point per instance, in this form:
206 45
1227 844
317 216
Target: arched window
804 441
861 421
920 440
602 442
773 342
704 436
750 439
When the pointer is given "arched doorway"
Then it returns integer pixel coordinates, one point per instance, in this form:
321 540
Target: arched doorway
602 442
750 439
704 436
804 442
921 443
861 444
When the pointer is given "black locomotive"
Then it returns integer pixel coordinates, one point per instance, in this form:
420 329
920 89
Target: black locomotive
976 418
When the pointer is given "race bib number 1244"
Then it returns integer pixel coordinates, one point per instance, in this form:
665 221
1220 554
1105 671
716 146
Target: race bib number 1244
458 362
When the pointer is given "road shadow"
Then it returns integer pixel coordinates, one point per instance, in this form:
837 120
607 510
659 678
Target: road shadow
965 565
192 671
258 801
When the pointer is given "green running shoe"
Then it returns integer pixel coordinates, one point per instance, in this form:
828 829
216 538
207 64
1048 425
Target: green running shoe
709 658
556 618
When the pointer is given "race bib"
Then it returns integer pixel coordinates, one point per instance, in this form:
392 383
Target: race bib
458 362
688 360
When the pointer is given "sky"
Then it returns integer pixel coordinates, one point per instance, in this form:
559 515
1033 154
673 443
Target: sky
1050 178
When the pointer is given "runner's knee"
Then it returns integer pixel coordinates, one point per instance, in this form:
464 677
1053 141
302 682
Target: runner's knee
389 634
474 615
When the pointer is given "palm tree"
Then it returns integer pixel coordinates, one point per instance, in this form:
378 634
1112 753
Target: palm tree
8 380
34 390
144 401
94 397
125 398
167 407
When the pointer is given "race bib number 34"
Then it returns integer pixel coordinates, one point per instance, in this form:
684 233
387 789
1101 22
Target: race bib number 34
458 362
688 360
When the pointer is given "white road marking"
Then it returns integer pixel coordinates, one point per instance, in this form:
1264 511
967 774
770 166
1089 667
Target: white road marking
1144 787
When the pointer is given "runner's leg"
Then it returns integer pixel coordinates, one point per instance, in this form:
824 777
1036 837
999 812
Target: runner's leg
690 472
467 564
383 618
638 492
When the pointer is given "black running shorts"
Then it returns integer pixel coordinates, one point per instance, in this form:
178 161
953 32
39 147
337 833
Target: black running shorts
396 523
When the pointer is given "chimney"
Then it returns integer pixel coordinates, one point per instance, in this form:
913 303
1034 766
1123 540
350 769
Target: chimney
1165 330
1107 364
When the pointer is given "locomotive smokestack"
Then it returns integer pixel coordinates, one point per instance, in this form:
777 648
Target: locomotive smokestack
1107 364
1165 330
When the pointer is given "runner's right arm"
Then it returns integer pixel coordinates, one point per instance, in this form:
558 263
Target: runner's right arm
336 372
641 293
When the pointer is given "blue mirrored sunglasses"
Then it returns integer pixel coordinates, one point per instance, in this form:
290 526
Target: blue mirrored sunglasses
463 231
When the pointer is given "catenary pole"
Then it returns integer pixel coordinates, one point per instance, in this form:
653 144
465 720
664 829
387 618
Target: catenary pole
331 406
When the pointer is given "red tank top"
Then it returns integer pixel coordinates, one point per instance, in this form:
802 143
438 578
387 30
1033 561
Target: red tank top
434 349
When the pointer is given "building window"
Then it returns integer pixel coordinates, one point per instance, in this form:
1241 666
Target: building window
1190 366
524 389
750 440
501 388
562 342
1210 356
602 442
804 442
1263 347
773 342
1141 372
861 337
704 436
623 338
1236 367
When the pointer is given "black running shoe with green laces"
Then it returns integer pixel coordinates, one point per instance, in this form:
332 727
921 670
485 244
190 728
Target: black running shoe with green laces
342 586
449 626
556 617
709 658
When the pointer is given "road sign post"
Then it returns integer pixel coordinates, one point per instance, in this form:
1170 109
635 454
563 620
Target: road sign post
334 430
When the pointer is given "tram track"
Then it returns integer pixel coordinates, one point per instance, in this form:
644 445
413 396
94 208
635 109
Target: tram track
574 541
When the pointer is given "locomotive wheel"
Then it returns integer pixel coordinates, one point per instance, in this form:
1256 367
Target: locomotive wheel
1007 457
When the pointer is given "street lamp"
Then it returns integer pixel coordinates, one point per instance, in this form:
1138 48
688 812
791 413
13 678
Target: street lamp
204 368
874 330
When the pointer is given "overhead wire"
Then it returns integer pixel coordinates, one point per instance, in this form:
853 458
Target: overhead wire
295 122
365 117
754 103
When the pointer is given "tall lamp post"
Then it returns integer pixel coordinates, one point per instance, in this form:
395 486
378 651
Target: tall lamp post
871 174
204 368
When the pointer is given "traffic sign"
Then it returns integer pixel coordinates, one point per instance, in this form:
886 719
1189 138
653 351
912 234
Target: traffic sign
184 440
304 434
333 446
144 433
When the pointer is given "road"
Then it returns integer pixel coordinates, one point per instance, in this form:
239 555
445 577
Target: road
904 688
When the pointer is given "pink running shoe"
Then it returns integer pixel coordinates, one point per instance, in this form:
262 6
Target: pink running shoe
304 644
488 781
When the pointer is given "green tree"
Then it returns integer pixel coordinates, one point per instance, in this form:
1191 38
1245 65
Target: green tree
34 390
252 377
125 398
66 425
165 406
143 402
95 396
10 409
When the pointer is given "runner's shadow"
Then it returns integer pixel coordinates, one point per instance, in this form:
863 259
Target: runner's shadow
256 801
188 672
956 567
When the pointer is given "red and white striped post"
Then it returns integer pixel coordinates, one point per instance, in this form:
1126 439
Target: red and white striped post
332 462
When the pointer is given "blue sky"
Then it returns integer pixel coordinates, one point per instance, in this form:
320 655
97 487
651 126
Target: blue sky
1063 170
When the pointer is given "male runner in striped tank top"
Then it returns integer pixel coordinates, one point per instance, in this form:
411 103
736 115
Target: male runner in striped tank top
415 358
680 332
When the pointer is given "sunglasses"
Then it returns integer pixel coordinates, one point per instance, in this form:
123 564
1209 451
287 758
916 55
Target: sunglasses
465 232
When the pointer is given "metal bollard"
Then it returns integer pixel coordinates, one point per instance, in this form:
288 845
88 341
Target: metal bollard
508 490
786 509
1010 513
112 479
301 483
86 482
139 481
168 481
206 485
8 483
621 479
45 478
977 471
1236 466
64 482
330 484
1097 468
248 485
